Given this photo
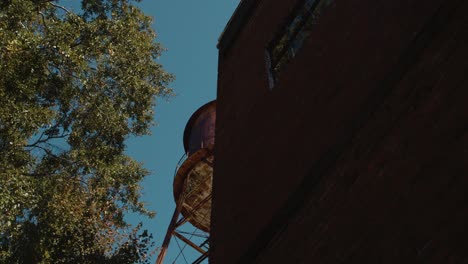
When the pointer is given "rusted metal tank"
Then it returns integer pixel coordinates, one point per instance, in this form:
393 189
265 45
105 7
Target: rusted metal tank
192 186
193 180
200 129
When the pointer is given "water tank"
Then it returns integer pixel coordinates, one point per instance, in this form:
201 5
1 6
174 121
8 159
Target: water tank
193 180
200 129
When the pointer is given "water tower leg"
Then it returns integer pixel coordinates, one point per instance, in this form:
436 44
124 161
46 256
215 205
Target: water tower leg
170 231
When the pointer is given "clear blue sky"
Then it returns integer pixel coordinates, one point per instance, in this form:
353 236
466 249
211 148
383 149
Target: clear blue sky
189 30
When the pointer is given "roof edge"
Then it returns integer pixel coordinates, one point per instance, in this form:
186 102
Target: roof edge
235 24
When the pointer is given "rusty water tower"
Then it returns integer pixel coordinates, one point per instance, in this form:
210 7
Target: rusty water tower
193 181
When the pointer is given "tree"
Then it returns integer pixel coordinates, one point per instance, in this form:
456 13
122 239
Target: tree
73 87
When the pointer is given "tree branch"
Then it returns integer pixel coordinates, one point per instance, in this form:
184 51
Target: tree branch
43 21
41 140
61 7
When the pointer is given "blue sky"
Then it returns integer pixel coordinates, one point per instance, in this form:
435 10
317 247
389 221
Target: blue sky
190 31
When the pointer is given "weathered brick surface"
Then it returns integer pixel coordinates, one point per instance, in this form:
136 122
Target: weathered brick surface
360 153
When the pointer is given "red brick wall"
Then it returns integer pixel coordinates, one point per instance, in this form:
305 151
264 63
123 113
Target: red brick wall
360 151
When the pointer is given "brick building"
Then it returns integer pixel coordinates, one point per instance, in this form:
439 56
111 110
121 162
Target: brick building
341 133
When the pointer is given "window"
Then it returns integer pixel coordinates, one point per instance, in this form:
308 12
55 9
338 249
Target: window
291 38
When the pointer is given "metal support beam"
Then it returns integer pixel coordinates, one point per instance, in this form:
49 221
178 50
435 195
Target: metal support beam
205 243
169 232
188 242
201 258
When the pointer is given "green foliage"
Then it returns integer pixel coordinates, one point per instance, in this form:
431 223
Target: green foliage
73 88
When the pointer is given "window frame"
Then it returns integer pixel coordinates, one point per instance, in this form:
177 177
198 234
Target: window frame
293 33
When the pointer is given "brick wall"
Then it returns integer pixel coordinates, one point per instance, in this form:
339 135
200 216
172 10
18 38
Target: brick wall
359 153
